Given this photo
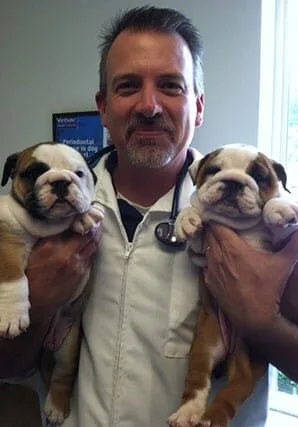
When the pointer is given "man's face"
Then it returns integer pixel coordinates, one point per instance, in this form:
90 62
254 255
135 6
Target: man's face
150 108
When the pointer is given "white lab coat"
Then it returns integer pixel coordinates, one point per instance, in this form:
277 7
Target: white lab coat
138 326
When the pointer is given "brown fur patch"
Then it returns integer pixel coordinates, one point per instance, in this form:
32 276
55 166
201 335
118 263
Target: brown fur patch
20 187
203 164
265 168
12 254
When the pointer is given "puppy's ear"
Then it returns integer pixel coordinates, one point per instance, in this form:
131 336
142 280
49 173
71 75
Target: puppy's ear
193 170
281 174
9 168
198 167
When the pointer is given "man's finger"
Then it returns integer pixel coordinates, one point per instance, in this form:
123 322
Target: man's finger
88 250
77 242
290 250
225 237
219 231
90 243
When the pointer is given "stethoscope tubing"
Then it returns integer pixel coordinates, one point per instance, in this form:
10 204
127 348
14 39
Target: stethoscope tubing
164 231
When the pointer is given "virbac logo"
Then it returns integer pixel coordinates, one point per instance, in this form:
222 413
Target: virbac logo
66 122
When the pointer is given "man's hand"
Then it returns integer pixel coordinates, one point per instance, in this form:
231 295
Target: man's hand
249 284
55 267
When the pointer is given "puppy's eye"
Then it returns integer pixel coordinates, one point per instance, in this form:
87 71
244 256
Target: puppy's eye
34 171
260 177
80 173
212 170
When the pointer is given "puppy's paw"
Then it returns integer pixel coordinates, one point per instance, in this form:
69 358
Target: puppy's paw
14 308
88 220
196 252
280 213
188 224
215 417
54 414
187 415
14 320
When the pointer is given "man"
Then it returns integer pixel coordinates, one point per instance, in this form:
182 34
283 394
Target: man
139 321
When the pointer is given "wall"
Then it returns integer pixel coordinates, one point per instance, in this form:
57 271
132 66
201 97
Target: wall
49 63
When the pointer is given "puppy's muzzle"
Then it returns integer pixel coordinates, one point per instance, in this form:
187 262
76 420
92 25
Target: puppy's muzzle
231 188
60 188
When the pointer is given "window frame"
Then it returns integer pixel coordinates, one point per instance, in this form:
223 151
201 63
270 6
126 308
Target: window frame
273 129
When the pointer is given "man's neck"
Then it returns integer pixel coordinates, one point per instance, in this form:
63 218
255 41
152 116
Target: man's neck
145 186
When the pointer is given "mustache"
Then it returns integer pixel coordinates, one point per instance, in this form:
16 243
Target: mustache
151 123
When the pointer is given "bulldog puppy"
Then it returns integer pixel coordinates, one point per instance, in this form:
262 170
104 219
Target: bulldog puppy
241 188
52 190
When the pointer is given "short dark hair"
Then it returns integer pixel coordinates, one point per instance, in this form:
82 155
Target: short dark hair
162 20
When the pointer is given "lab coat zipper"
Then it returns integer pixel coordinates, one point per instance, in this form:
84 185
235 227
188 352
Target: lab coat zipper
121 325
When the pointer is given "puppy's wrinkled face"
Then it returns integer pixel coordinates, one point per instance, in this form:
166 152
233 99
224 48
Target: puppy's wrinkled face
52 181
237 182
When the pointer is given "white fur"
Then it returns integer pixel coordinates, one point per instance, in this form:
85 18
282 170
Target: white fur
188 223
64 163
17 218
14 307
262 225
53 414
190 413
236 157
88 220
281 217
14 302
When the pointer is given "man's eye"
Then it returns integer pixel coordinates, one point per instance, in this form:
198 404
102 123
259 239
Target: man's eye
172 88
126 88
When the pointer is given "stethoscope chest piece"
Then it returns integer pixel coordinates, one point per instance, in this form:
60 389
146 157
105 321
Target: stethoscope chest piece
164 232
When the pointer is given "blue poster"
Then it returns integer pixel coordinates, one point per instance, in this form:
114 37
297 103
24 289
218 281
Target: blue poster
80 130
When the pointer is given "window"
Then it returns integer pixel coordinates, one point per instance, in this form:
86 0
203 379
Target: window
278 137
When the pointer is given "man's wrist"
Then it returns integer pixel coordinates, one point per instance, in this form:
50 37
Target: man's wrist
278 344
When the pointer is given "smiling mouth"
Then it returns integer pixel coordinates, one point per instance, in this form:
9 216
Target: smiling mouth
148 129
150 132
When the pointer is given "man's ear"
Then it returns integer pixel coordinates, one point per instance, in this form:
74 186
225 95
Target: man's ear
101 107
200 110
281 174
9 168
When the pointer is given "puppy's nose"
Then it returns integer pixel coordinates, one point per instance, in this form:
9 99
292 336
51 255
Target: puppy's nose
60 188
232 187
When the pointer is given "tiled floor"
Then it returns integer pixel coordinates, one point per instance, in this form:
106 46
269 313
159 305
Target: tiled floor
19 407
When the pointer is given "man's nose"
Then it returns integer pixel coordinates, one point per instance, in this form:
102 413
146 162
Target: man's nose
149 104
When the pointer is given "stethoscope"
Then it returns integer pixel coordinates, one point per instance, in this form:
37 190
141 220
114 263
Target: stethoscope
164 231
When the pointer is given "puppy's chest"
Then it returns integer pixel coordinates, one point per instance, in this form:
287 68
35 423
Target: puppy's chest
10 228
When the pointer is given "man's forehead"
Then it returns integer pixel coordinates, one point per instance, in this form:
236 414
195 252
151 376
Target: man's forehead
133 50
